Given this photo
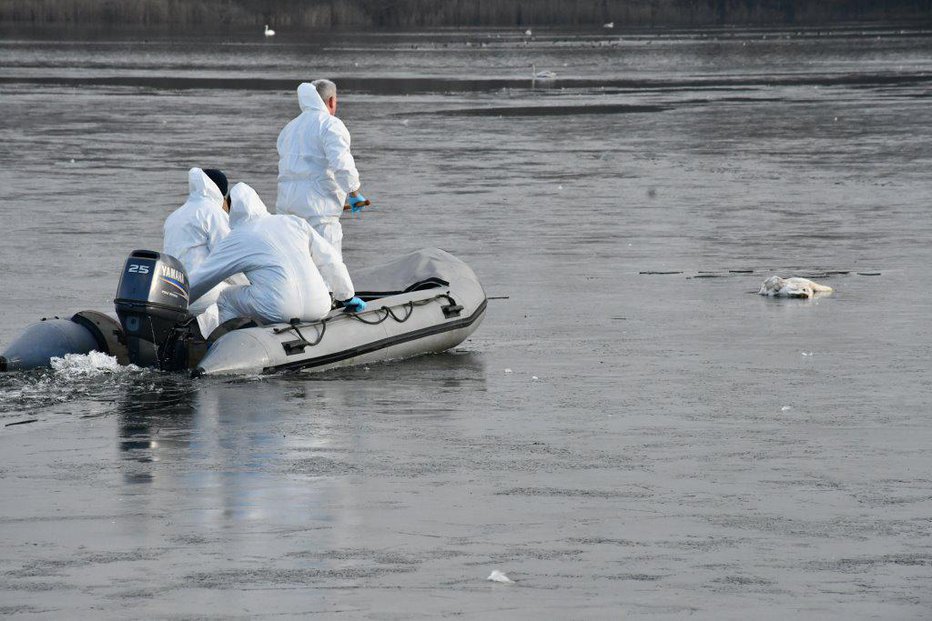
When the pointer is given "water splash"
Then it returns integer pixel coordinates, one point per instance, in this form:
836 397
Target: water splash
90 365
80 383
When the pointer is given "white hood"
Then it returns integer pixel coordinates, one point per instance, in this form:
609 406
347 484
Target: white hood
199 184
245 205
309 98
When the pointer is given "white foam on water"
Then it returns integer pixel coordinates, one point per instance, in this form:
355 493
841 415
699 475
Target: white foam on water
89 365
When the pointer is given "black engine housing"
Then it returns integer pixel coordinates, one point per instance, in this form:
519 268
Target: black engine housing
152 298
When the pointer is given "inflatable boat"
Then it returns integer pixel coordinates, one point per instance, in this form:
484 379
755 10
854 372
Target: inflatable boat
425 302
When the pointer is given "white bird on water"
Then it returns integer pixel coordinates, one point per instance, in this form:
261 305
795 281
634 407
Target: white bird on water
608 25
269 32
528 33
543 74
794 287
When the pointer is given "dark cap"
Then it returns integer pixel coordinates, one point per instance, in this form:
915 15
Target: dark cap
218 178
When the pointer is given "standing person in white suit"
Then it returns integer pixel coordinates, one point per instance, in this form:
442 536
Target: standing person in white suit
195 229
317 175
291 269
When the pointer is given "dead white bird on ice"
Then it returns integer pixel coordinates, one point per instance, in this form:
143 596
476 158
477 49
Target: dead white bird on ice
794 287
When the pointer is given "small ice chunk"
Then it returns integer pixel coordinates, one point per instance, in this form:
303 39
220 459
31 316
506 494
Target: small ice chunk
507 370
72 160
785 408
806 353
559 187
534 377
497 576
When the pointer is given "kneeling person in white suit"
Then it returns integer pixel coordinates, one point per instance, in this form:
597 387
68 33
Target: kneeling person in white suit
195 229
291 268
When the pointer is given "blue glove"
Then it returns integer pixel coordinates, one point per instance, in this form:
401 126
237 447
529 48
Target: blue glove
357 202
354 305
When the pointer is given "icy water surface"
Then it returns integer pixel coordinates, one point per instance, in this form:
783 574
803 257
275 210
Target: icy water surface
632 432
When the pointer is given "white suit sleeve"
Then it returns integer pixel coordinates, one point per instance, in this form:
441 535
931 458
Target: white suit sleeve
331 267
227 259
336 141
217 227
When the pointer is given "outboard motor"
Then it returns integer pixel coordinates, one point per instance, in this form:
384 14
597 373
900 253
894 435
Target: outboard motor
151 300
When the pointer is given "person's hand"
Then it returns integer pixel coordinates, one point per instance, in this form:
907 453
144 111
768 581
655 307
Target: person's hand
357 201
354 305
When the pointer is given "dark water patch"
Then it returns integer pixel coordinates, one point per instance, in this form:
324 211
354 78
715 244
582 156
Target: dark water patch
9 611
571 493
598 541
380 557
263 576
637 577
859 564
537 111
411 85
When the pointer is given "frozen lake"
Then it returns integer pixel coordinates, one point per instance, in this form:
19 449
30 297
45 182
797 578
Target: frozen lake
632 432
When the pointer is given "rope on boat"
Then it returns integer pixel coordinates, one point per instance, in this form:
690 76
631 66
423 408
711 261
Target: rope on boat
389 312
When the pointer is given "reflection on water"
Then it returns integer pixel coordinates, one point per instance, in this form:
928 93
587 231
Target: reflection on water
277 448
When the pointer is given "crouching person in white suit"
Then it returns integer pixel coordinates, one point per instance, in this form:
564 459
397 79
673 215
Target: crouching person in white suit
291 268
195 229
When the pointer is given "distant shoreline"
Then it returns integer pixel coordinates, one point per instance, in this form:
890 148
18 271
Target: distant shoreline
419 14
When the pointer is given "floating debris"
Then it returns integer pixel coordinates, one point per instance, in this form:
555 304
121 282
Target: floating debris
654 273
497 576
868 273
23 422
794 287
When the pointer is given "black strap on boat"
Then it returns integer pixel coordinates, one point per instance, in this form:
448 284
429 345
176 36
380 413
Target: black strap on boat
410 308
297 346
421 285
323 328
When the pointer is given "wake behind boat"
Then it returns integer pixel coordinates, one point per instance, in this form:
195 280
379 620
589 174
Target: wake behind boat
427 301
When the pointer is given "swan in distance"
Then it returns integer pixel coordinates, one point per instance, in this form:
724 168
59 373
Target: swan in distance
542 74
269 32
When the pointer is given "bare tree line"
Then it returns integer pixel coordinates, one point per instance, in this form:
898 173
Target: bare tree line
440 13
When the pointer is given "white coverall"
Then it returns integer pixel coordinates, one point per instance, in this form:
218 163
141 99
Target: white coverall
193 231
291 269
315 167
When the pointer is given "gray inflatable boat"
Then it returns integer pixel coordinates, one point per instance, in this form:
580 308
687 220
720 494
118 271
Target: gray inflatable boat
424 302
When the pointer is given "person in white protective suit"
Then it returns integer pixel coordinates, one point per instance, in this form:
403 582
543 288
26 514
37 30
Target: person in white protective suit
316 171
193 230
291 269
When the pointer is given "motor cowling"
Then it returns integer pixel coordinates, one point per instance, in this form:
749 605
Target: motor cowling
151 299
